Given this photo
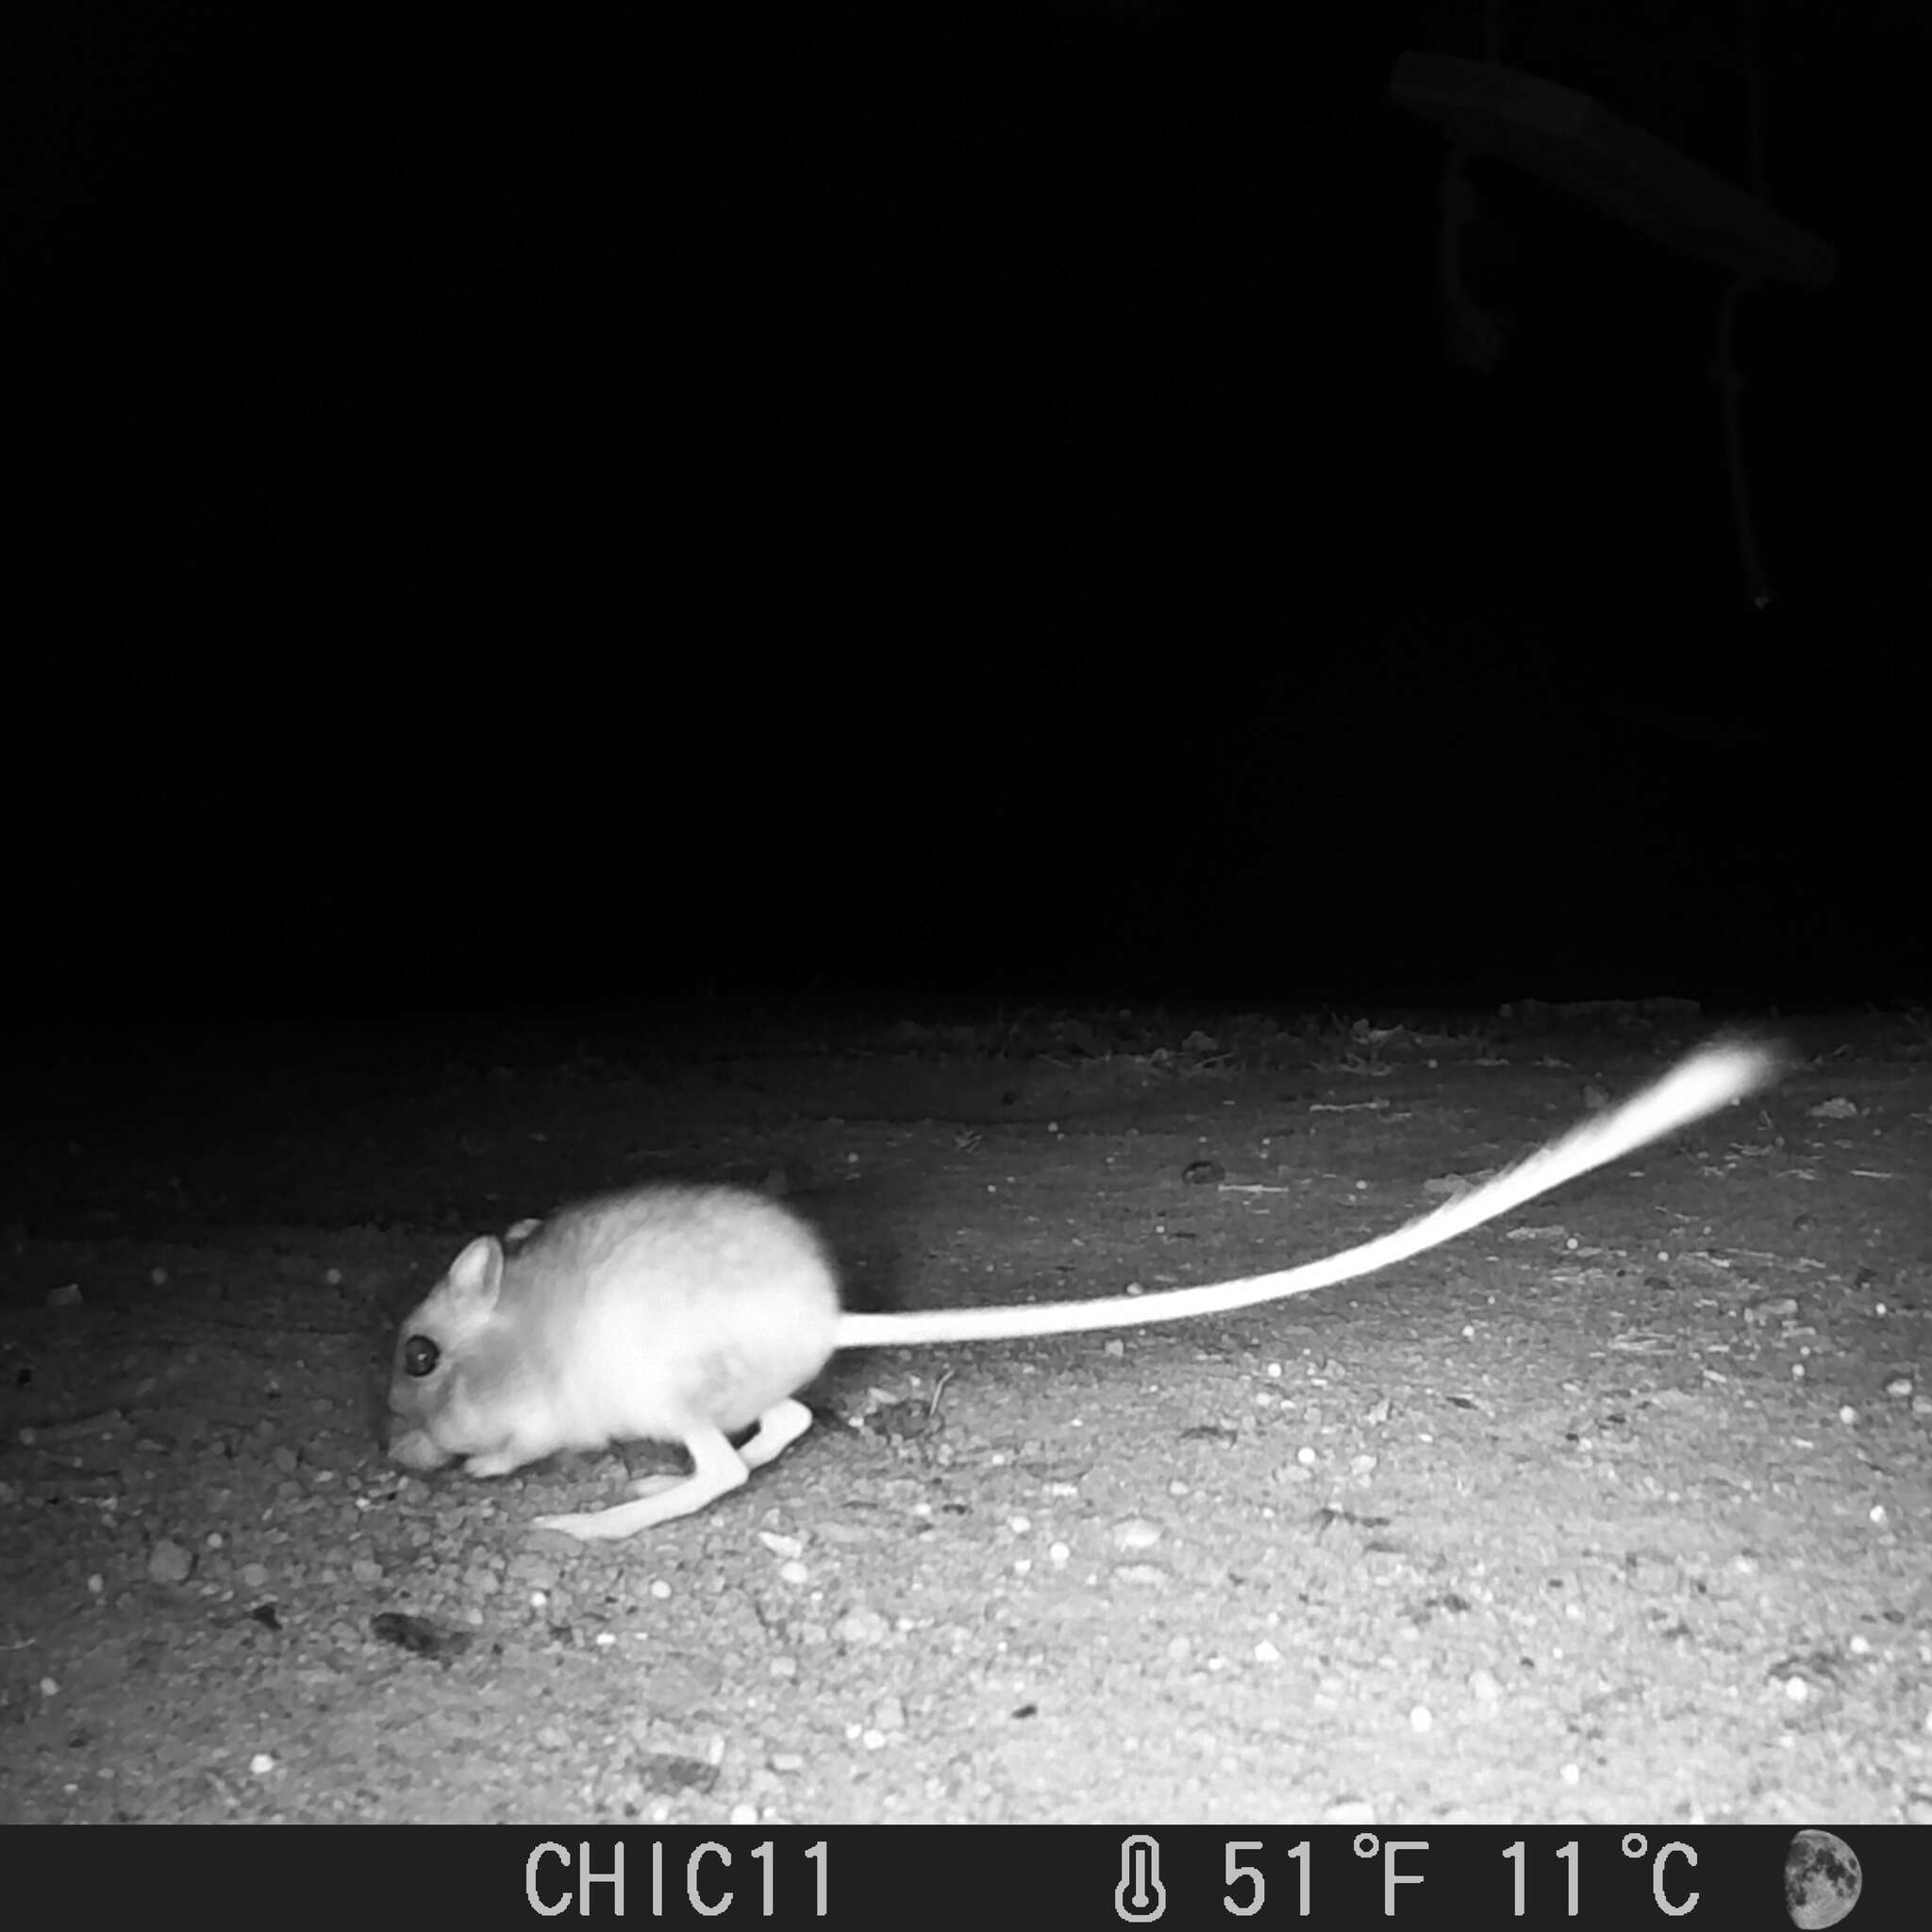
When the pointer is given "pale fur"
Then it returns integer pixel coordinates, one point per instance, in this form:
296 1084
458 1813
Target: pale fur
687 1314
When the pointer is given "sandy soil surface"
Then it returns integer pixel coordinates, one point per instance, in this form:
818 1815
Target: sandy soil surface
1617 1508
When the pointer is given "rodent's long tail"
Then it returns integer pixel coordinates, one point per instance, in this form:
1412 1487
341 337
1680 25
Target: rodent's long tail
1708 1079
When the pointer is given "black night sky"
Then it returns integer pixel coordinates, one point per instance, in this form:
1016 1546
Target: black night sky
575 502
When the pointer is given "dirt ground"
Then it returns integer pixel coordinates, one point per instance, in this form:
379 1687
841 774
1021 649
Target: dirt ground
1614 1510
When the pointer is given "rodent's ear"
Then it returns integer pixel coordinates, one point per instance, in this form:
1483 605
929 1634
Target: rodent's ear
477 1274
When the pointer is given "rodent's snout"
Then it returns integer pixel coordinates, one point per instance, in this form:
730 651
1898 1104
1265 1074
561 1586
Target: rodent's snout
411 1404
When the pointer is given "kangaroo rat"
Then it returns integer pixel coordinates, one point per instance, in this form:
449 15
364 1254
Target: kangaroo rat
685 1314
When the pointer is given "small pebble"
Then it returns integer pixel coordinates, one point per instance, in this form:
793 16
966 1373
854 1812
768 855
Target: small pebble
167 1563
865 1627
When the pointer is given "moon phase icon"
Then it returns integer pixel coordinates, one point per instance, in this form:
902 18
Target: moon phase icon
1822 1879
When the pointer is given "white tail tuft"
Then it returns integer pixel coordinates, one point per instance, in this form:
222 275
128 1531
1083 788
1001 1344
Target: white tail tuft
1707 1081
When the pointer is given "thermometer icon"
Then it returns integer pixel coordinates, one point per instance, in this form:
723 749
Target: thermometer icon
1140 1898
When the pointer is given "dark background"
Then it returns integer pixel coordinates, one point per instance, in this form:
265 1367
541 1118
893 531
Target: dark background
547 506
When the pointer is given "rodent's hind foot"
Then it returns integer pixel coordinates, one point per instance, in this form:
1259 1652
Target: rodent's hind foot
779 1427
716 1468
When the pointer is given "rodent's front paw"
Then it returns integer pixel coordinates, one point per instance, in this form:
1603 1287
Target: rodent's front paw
412 1449
499 1462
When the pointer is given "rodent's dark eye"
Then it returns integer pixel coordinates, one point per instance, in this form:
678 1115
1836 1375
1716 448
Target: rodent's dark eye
420 1357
